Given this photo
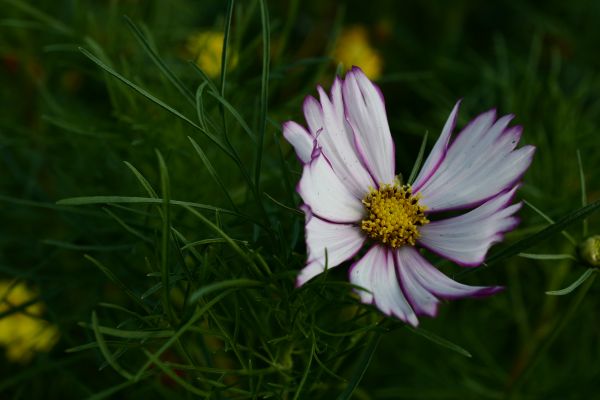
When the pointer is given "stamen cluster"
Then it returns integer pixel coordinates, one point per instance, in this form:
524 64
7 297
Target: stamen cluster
393 215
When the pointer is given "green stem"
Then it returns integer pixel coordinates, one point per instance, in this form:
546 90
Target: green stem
530 366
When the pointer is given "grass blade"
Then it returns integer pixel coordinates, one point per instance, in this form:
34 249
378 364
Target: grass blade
264 89
166 231
126 226
232 243
90 200
417 166
111 276
361 366
551 221
307 370
439 341
158 61
573 285
200 311
155 100
583 190
225 49
105 350
143 181
547 256
211 170
235 114
233 283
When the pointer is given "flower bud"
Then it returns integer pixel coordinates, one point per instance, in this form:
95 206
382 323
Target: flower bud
590 250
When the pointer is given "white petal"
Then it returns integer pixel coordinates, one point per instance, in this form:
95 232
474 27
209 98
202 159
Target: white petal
478 165
465 239
419 271
326 196
300 139
313 115
376 272
422 300
338 241
336 140
365 111
438 152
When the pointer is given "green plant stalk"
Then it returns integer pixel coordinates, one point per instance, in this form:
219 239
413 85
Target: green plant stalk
516 384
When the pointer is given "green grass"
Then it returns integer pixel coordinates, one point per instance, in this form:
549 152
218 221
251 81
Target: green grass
154 208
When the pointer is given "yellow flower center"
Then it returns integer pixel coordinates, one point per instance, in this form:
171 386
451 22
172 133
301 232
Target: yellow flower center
393 215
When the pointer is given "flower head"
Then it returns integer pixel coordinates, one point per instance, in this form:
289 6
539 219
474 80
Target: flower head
22 331
352 198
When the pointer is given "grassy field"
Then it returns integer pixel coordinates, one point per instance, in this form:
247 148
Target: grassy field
150 223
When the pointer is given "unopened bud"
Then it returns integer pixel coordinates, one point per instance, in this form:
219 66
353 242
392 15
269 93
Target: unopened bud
590 250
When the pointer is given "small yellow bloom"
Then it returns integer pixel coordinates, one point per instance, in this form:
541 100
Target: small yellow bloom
206 48
354 49
23 332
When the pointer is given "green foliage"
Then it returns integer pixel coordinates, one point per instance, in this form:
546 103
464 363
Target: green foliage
153 205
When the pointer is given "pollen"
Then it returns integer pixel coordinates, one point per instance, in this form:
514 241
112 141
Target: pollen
393 215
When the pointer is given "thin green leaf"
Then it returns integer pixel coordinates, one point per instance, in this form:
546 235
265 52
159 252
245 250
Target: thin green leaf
155 100
110 275
144 182
158 61
105 351
547 256
130 334
211 170
200 105
307 370
177 379
233 284
203 75
209 241
200 311
583 191
573 285
89 200
439 340
110 391
232 243
264 88
550 220
361 366
280 204
41 16
235 114
417 166
166 231
72 246
225 48
126 226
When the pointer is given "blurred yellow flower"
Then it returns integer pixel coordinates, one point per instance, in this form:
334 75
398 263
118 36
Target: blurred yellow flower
206 49
354 49
23 332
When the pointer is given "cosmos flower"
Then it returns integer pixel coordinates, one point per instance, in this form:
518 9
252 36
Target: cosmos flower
353 199
354 48
22 330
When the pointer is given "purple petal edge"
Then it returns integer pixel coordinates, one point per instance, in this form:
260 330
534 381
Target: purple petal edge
451 142
442 155
410 300
508 186
499 235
